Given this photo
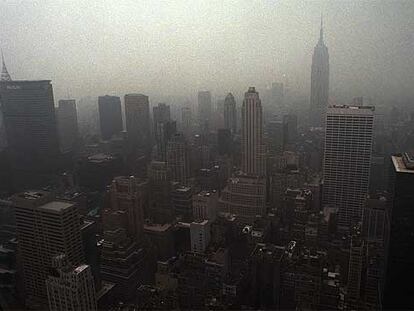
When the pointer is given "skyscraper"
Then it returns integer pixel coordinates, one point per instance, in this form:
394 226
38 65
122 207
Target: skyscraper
67 119
160 210
347 160
230 115
400 270
253 149
319 82
45 228
30 124
110 116
130 194
204 110
137 115
70 288
178 158
186 121
164 129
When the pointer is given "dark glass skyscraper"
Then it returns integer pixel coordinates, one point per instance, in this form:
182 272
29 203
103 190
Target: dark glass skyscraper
137 116
110 116
30 123
164 129
319 82
204 110
67 119
400 271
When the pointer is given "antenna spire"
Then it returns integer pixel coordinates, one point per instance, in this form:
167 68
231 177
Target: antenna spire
5 76
321 30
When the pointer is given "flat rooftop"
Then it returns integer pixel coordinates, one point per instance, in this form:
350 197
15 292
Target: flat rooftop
100 157
56 206
349 109
400 166
32 194
157 227
25 81
183 189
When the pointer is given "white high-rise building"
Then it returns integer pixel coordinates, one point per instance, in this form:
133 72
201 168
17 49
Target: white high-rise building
347 160
45 228
253 148
70 288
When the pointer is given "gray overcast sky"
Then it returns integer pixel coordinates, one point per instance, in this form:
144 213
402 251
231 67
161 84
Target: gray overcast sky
175 47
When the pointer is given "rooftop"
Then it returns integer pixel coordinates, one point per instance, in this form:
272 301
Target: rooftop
32 195
403 163
26 81
183 189
350 109
56 206
100 157
205 193
80 268
157 227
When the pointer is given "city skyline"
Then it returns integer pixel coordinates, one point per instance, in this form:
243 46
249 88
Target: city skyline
282 49
176 191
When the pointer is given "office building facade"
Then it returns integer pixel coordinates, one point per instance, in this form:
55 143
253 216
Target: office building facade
347 160
45 228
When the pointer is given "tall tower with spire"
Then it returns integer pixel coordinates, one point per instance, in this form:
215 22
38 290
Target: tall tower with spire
5 76
319 82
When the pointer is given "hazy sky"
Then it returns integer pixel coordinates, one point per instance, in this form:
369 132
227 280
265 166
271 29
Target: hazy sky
176 47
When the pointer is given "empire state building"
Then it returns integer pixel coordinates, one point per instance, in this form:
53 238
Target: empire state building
319 82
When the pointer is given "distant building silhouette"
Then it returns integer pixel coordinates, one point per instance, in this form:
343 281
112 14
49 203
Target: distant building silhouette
230 113
347 160
160 210
319 82
204 111
164 129
110 116
137 114
67 119
186 122
178 161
